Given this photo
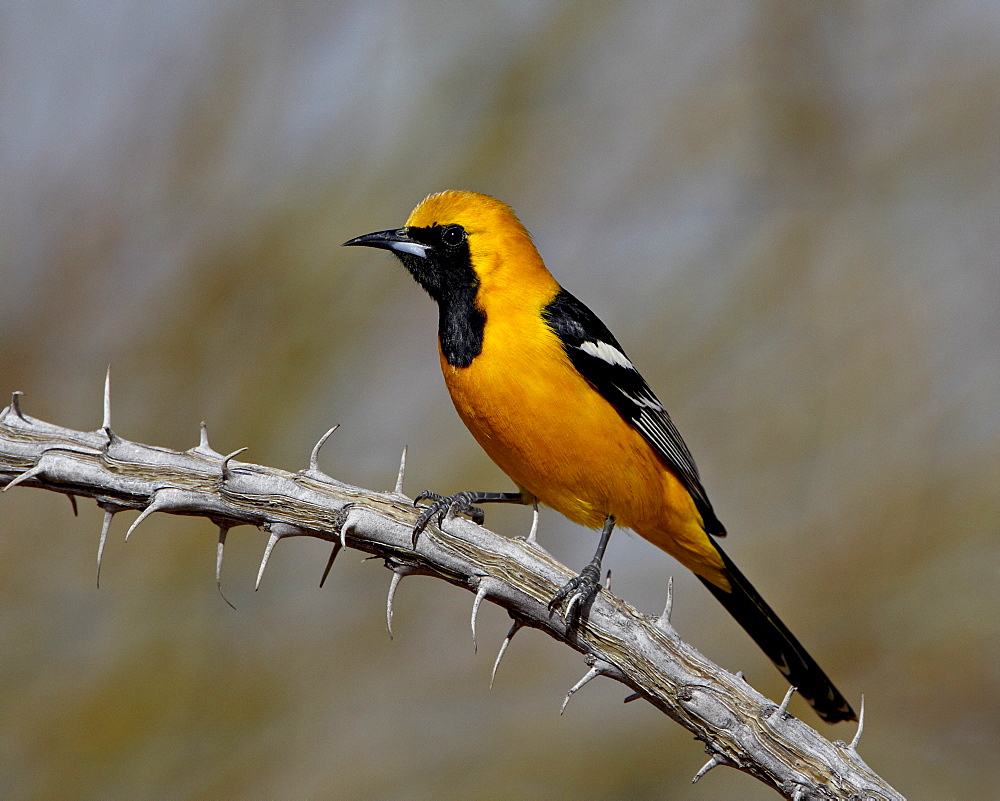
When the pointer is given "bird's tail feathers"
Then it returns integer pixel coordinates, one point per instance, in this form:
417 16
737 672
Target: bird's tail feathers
752 612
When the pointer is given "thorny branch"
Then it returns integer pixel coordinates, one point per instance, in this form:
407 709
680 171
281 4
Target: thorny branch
740 727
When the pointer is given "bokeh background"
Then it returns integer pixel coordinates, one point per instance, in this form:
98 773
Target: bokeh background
788 212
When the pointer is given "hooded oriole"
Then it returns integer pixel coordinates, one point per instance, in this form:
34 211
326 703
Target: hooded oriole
550 395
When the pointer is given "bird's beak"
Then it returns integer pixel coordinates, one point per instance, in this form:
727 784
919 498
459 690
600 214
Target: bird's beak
397 240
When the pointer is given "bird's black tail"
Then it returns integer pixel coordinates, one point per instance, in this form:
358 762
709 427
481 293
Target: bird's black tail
760 622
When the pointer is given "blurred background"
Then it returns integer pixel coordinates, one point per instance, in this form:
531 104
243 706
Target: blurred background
787 212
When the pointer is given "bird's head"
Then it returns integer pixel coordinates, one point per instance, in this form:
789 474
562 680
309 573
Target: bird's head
459 241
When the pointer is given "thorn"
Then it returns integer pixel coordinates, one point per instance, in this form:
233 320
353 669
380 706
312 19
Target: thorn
607 581
154 506
533 534
402 469
272 541
480 594
590 675
72 502
278 531
106 424
223 531
861 726
399 570
203 447
27 474
663 621
740 676
515 627
226 472
486 583
109 512
397 576
713 762
783 709
630 698
337 546
314 456
169 499
15 405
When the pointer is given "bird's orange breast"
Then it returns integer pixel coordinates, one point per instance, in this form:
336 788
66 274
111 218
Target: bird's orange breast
551 432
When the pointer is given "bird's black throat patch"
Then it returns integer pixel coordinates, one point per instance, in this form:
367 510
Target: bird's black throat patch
460 325
447 274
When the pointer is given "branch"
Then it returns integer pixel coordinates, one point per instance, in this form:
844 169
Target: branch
740 727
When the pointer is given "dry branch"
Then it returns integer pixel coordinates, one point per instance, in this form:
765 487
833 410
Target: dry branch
740 727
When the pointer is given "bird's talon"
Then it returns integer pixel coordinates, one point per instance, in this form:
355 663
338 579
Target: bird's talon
425 495
443 505
578 592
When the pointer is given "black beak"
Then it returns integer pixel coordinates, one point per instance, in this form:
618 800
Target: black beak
398 241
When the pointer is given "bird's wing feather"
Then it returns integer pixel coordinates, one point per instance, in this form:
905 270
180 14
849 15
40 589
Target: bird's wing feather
596 354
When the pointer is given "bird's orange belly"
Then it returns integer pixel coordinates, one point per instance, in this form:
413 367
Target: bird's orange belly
561 441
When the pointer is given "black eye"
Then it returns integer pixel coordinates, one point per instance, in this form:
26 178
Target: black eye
452 235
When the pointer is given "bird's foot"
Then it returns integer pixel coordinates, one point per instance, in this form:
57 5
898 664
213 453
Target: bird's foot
459 503
578 592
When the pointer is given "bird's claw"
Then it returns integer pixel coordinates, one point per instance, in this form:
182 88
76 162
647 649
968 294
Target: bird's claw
459 503
578 592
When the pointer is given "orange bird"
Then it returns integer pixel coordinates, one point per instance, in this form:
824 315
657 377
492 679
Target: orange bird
550 395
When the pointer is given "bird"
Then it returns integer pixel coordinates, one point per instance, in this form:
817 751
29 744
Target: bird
550 395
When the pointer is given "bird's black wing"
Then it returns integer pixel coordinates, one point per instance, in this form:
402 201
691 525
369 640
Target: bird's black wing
595 352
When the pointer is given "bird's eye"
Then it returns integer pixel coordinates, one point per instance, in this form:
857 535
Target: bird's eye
452 235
